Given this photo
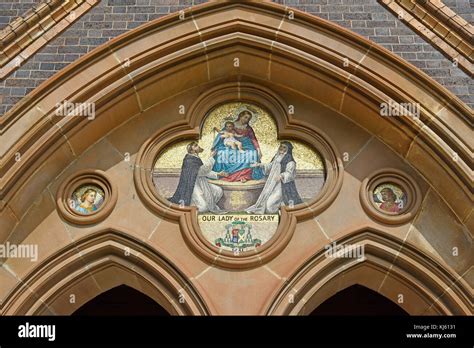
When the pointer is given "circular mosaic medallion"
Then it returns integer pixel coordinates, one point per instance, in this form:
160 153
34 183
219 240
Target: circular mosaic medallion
86 197
390 196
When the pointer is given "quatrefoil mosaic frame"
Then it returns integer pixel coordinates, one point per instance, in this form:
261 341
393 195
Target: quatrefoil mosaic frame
189 129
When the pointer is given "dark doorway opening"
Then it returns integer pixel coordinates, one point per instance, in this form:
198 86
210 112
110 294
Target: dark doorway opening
358 300
122 300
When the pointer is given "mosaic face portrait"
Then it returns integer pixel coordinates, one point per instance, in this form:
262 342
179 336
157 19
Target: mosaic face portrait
86 199
390 198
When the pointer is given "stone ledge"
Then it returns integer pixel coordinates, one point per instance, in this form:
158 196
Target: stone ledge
440 26
26 35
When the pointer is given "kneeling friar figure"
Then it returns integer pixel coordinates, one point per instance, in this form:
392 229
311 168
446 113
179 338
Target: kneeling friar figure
194 187
280 188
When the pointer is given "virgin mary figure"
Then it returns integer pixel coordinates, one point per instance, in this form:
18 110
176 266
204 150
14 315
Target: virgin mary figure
235 162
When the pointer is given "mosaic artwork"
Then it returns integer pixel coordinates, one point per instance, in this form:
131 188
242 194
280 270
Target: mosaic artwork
86 199
389 198
238 175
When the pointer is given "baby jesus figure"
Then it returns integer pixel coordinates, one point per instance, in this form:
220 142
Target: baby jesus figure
229 135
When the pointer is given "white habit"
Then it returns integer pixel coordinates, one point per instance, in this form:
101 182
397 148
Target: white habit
206 195
271 197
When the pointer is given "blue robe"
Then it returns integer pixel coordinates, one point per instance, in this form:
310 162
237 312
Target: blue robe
231 161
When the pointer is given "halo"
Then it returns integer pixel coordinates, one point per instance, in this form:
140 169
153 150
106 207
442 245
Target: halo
229 118
250 109
80 191
399 194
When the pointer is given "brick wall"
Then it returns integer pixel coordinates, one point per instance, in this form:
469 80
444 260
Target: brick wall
11 9
370 19
113 17
464 8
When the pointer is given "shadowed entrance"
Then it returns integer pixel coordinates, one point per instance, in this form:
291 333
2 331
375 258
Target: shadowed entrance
358 300
121 300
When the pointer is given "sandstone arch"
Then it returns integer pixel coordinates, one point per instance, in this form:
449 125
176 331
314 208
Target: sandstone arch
138 80
95 264
389 268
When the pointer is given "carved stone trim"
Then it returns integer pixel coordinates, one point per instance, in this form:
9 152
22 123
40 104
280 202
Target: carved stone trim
26 35
88 176
440 26
53 280
388 260
190 129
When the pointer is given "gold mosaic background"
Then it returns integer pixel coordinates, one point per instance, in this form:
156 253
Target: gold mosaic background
265 130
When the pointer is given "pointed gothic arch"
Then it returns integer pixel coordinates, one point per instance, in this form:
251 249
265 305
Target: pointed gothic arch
401 273
95 264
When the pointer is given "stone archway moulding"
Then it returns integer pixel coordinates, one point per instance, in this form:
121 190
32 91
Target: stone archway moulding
388 267
288 128
121 78
100 258
95 264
